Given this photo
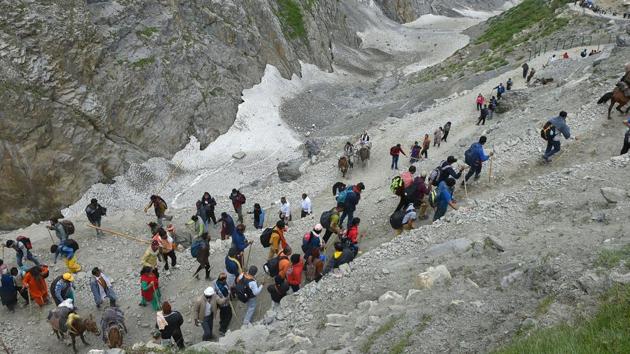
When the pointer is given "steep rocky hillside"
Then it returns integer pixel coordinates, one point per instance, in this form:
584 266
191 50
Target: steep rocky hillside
408 10
88 88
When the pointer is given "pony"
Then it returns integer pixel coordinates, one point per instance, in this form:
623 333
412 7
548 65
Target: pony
364 155
75 325
616 96
113 326
343 165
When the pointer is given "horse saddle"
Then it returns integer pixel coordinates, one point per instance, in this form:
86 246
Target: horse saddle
58 318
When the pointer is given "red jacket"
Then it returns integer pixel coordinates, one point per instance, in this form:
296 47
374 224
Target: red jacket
395 151
353 234
294 273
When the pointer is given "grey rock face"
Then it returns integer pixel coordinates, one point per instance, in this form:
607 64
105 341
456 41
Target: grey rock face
408 10
90 87
511 99
290 171
623 40
613 195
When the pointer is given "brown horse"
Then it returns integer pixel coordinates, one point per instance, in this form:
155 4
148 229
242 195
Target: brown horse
364 155
112 326
76 327
343 165
616 96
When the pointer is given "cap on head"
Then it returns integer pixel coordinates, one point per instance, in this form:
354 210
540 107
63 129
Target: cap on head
208 292
451 159
68 277
318 227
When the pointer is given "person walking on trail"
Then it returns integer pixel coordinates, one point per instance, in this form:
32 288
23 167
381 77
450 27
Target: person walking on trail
492 106
331 222
415 194
94 212
626 138
278 290
447 129
480 101
407 178
238 199
532 72
525 70
351 201
60 231
233 267
283 262
483 115
101 287
509 84
475 157
159 206
444 198
365 138
203 215
203 256
294 273
167 248
205 311
448 171
8 290
552 131
353 236
63 288
22 246
149 288
500 90
426 144
395 152
414 154
437 137
277 242
67 250
312 240
348 152
210 204
247 280
151 256
197 225
227 226
35 283
169 323
307 208
259 216
222 291
285 210
240 242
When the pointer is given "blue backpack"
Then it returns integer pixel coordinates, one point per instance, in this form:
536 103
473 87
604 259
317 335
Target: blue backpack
341 198
470 156
195 247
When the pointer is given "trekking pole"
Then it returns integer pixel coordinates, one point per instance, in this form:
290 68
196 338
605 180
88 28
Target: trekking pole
466 188
50 234
490 172
30 301
248 253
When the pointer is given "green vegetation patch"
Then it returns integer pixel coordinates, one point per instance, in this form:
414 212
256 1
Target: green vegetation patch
142 63
384 328
147 32
528 13
611 258
607 332
291 18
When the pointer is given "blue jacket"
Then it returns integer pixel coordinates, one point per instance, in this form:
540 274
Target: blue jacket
96 291
65 252
444 195
63 288
231 266
479 154
229 225
352 199
500 89
561 125
238 240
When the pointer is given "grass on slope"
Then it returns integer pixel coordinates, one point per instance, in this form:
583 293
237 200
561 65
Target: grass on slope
607 332
611 258
291 18
528 13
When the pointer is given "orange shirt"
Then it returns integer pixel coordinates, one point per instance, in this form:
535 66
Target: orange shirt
36 288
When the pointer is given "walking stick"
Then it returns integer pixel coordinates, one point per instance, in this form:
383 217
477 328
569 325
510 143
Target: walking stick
50 234
248 253
465 188
30 301
490 174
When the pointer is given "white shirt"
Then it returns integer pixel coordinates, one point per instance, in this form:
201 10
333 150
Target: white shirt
411 215
285 209
306 205
252 285
208 311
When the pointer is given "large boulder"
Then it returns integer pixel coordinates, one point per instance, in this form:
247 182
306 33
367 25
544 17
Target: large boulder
433 276
290 171
512 100
613 195
622 40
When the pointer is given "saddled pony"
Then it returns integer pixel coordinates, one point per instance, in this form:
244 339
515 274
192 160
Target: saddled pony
364 155
343 165
113 326
75 326
616 96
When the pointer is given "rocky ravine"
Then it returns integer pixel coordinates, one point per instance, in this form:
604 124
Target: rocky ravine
88 88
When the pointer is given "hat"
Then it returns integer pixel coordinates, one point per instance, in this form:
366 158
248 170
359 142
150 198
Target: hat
451 159
209 291
68 277
170 228
318 227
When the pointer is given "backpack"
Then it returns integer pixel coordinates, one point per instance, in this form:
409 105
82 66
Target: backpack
326 218
433 197
436 174
396 186
241 198
25 241
272 267
72 244
196 246
548 131
306 242
341 198
68 226
243 291
470 157
265 237
395 220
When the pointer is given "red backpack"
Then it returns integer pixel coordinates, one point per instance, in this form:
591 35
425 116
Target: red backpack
25 241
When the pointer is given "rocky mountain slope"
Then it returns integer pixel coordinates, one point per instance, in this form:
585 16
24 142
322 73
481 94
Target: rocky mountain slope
408 10
90 87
